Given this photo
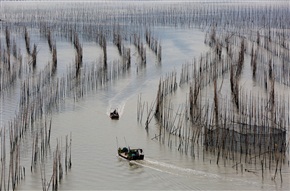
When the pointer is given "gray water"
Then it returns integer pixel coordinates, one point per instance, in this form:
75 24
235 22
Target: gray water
95 137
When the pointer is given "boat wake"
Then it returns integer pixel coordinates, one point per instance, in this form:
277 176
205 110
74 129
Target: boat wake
120 98
188 172
172 169
114 104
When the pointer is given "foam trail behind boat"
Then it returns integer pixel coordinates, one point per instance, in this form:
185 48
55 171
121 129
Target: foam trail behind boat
173 169
126 90
118 101
116 105
187 172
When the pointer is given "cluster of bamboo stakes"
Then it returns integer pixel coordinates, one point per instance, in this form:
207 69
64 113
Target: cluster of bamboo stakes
204 115
245 126
137 41
153 44
41 93
39 97
57 167
15 172
101 39
33 53
124 52
79 53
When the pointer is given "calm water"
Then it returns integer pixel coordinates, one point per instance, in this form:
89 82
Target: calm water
95 138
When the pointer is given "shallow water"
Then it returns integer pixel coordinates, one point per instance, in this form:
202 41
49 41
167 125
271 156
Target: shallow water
95 137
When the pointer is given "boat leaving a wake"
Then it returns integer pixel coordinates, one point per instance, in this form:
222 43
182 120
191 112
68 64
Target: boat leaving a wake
131 154
114 114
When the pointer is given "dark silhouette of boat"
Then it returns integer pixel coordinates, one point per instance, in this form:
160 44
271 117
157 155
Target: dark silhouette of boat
114 114
131 154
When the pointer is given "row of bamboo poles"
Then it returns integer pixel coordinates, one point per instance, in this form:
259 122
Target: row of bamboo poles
240 16
101 73
57 167
153 44
42 92
39 97
243 126
137 41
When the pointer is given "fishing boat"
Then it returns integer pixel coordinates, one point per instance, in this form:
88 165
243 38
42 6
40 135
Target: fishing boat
131 154
114 114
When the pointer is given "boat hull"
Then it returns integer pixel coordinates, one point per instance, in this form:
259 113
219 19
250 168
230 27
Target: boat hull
114 116
125 156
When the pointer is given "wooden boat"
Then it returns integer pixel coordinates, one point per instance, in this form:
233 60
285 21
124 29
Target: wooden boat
114 114
131 154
